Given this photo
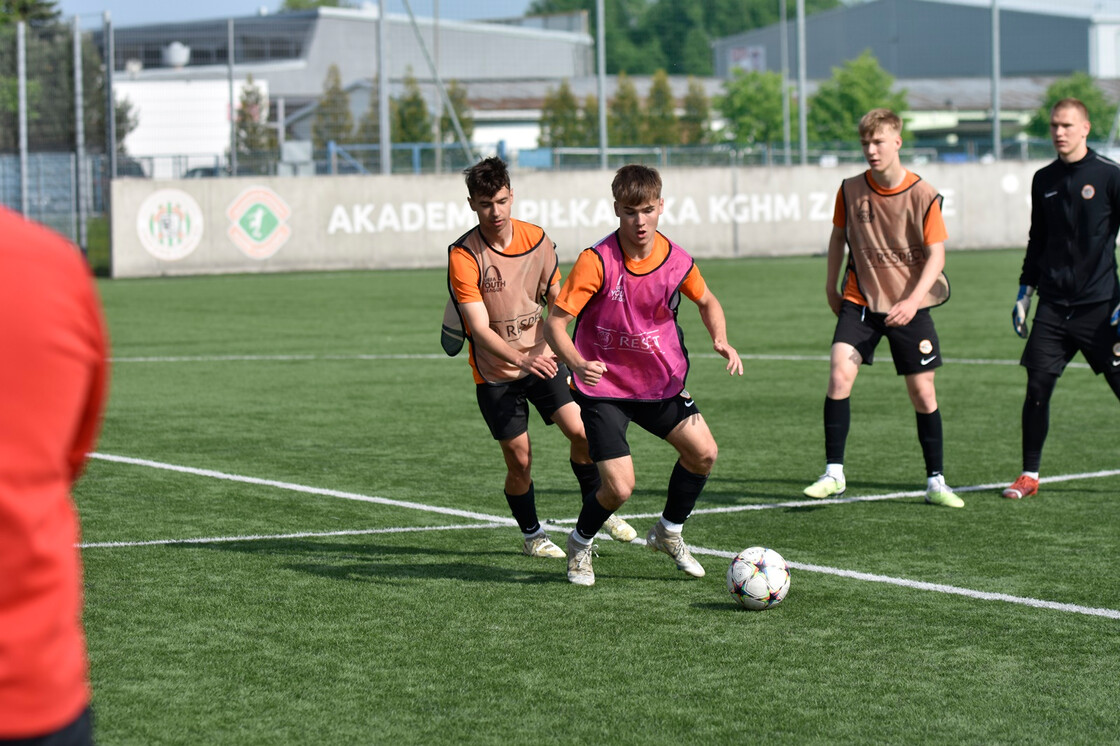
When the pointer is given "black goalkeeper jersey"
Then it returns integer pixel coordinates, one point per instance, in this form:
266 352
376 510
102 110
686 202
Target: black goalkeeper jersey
1075 215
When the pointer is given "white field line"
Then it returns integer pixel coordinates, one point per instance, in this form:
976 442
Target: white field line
935 587
304 489
868 498
439 356
501 521
269 537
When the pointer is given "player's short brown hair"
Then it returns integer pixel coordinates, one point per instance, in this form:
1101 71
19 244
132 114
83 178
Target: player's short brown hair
635 184
487 177
877 119
1071 103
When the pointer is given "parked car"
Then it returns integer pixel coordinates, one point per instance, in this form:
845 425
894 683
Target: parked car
204 172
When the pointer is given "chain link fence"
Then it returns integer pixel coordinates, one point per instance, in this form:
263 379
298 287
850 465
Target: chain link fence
277 95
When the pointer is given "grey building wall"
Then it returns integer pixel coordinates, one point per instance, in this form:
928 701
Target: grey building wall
922 39
294 50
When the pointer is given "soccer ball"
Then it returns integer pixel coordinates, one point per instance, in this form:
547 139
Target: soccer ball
758 578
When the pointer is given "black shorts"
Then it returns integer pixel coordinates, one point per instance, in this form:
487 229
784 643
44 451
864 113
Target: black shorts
914 347
606 420
505 406
1059 332
78 732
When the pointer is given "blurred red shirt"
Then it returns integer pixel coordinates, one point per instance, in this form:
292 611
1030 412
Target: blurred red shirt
53 384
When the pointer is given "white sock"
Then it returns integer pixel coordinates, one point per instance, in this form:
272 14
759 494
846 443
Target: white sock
1031 474
535 534
579 539
673 528
935 481
836 471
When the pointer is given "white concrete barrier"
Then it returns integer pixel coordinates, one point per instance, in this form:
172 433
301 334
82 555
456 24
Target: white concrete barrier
280 224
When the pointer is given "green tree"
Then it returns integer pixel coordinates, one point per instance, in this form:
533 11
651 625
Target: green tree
1102 112
694 126
643 36
661 125
678 28
624 120
413 121
254 136
369 123
560 121
458 96
752 107
36 13
855 88
333 119
126 120
589 122
50 68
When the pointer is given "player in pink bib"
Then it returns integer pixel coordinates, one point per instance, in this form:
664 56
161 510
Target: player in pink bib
629 364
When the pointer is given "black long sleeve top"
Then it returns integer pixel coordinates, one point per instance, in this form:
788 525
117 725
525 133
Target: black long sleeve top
1075 216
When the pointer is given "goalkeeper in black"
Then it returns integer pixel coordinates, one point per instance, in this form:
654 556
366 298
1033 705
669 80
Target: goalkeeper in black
1071 264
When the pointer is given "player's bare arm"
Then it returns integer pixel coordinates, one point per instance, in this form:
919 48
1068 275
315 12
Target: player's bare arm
835 261
711 313
478 319
588 372
903 312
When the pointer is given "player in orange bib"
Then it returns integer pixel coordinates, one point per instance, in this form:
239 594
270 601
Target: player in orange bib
891 222
501 275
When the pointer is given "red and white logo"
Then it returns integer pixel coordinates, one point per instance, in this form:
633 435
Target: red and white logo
1088 191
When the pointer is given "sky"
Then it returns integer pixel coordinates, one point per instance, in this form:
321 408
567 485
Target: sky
136 12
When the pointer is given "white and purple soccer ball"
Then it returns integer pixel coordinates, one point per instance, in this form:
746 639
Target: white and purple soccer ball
758 578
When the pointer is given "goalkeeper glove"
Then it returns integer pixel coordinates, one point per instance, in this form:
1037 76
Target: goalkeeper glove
1022 308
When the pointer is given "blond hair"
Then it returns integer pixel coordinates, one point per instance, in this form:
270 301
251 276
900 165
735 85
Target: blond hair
1071 103
877 119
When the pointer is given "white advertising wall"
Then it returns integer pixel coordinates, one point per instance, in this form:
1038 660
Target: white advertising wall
280 224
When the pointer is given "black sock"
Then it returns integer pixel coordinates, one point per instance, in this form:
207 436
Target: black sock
1036 417
837 421
588 477
684 488
524 508
592 517
932 441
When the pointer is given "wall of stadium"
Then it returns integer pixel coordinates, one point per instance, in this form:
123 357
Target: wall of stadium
281 224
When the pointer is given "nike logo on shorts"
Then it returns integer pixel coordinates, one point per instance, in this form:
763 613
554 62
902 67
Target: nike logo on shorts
1049 194
1115 363
928 360
689 403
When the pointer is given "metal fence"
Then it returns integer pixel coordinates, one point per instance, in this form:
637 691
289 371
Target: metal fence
238 97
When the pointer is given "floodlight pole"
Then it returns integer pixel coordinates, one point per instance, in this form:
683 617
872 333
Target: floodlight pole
784 37
110 98
435 55
385 148
232 102
79 138
601 55
802 102
997 144
21 74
